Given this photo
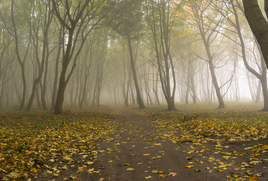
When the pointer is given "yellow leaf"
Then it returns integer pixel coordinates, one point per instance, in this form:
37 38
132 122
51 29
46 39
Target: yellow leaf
33 170
149 177
173 174
253 178
189 166
219 170
72 176
90 170
162 175
84 156
130 169
55 175
80 169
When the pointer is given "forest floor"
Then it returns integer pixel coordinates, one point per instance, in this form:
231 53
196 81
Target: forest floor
194 143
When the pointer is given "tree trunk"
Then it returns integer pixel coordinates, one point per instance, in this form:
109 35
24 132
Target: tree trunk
258 24
212 72
139 99
60 93
265 92
258 95
55 84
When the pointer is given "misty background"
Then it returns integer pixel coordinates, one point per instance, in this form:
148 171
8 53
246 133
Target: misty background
56 54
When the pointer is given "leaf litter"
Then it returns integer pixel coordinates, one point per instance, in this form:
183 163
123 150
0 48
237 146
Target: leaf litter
29 146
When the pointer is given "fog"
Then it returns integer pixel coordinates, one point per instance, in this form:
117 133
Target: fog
127 52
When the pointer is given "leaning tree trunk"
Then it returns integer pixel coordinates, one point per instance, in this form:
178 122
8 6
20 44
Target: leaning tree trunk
217 88
213 75
139 99
258 24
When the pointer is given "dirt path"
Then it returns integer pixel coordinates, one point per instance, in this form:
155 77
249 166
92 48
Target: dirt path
137 145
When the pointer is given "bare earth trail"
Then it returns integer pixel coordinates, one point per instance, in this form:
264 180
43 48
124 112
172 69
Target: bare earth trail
137 152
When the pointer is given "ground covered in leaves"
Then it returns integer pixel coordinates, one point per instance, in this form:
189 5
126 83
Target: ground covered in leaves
196 142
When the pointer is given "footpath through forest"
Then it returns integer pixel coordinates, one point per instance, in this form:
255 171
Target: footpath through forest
143 148
140 150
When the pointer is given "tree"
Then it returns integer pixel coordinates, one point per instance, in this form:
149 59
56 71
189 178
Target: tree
127 23
46 18
258 24
209 31
21 59
78 19
158 18
235 22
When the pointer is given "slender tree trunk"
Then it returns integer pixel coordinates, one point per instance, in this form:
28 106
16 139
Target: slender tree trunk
44 58
258 96
21 62
37 97
213 75
55 84
139 99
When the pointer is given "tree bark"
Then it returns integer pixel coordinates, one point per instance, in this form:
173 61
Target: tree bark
258 24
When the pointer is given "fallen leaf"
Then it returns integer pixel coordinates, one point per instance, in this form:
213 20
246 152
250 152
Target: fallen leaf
173 174
253 178
130 169
149 177
162 175
189 166
89 163
72 176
